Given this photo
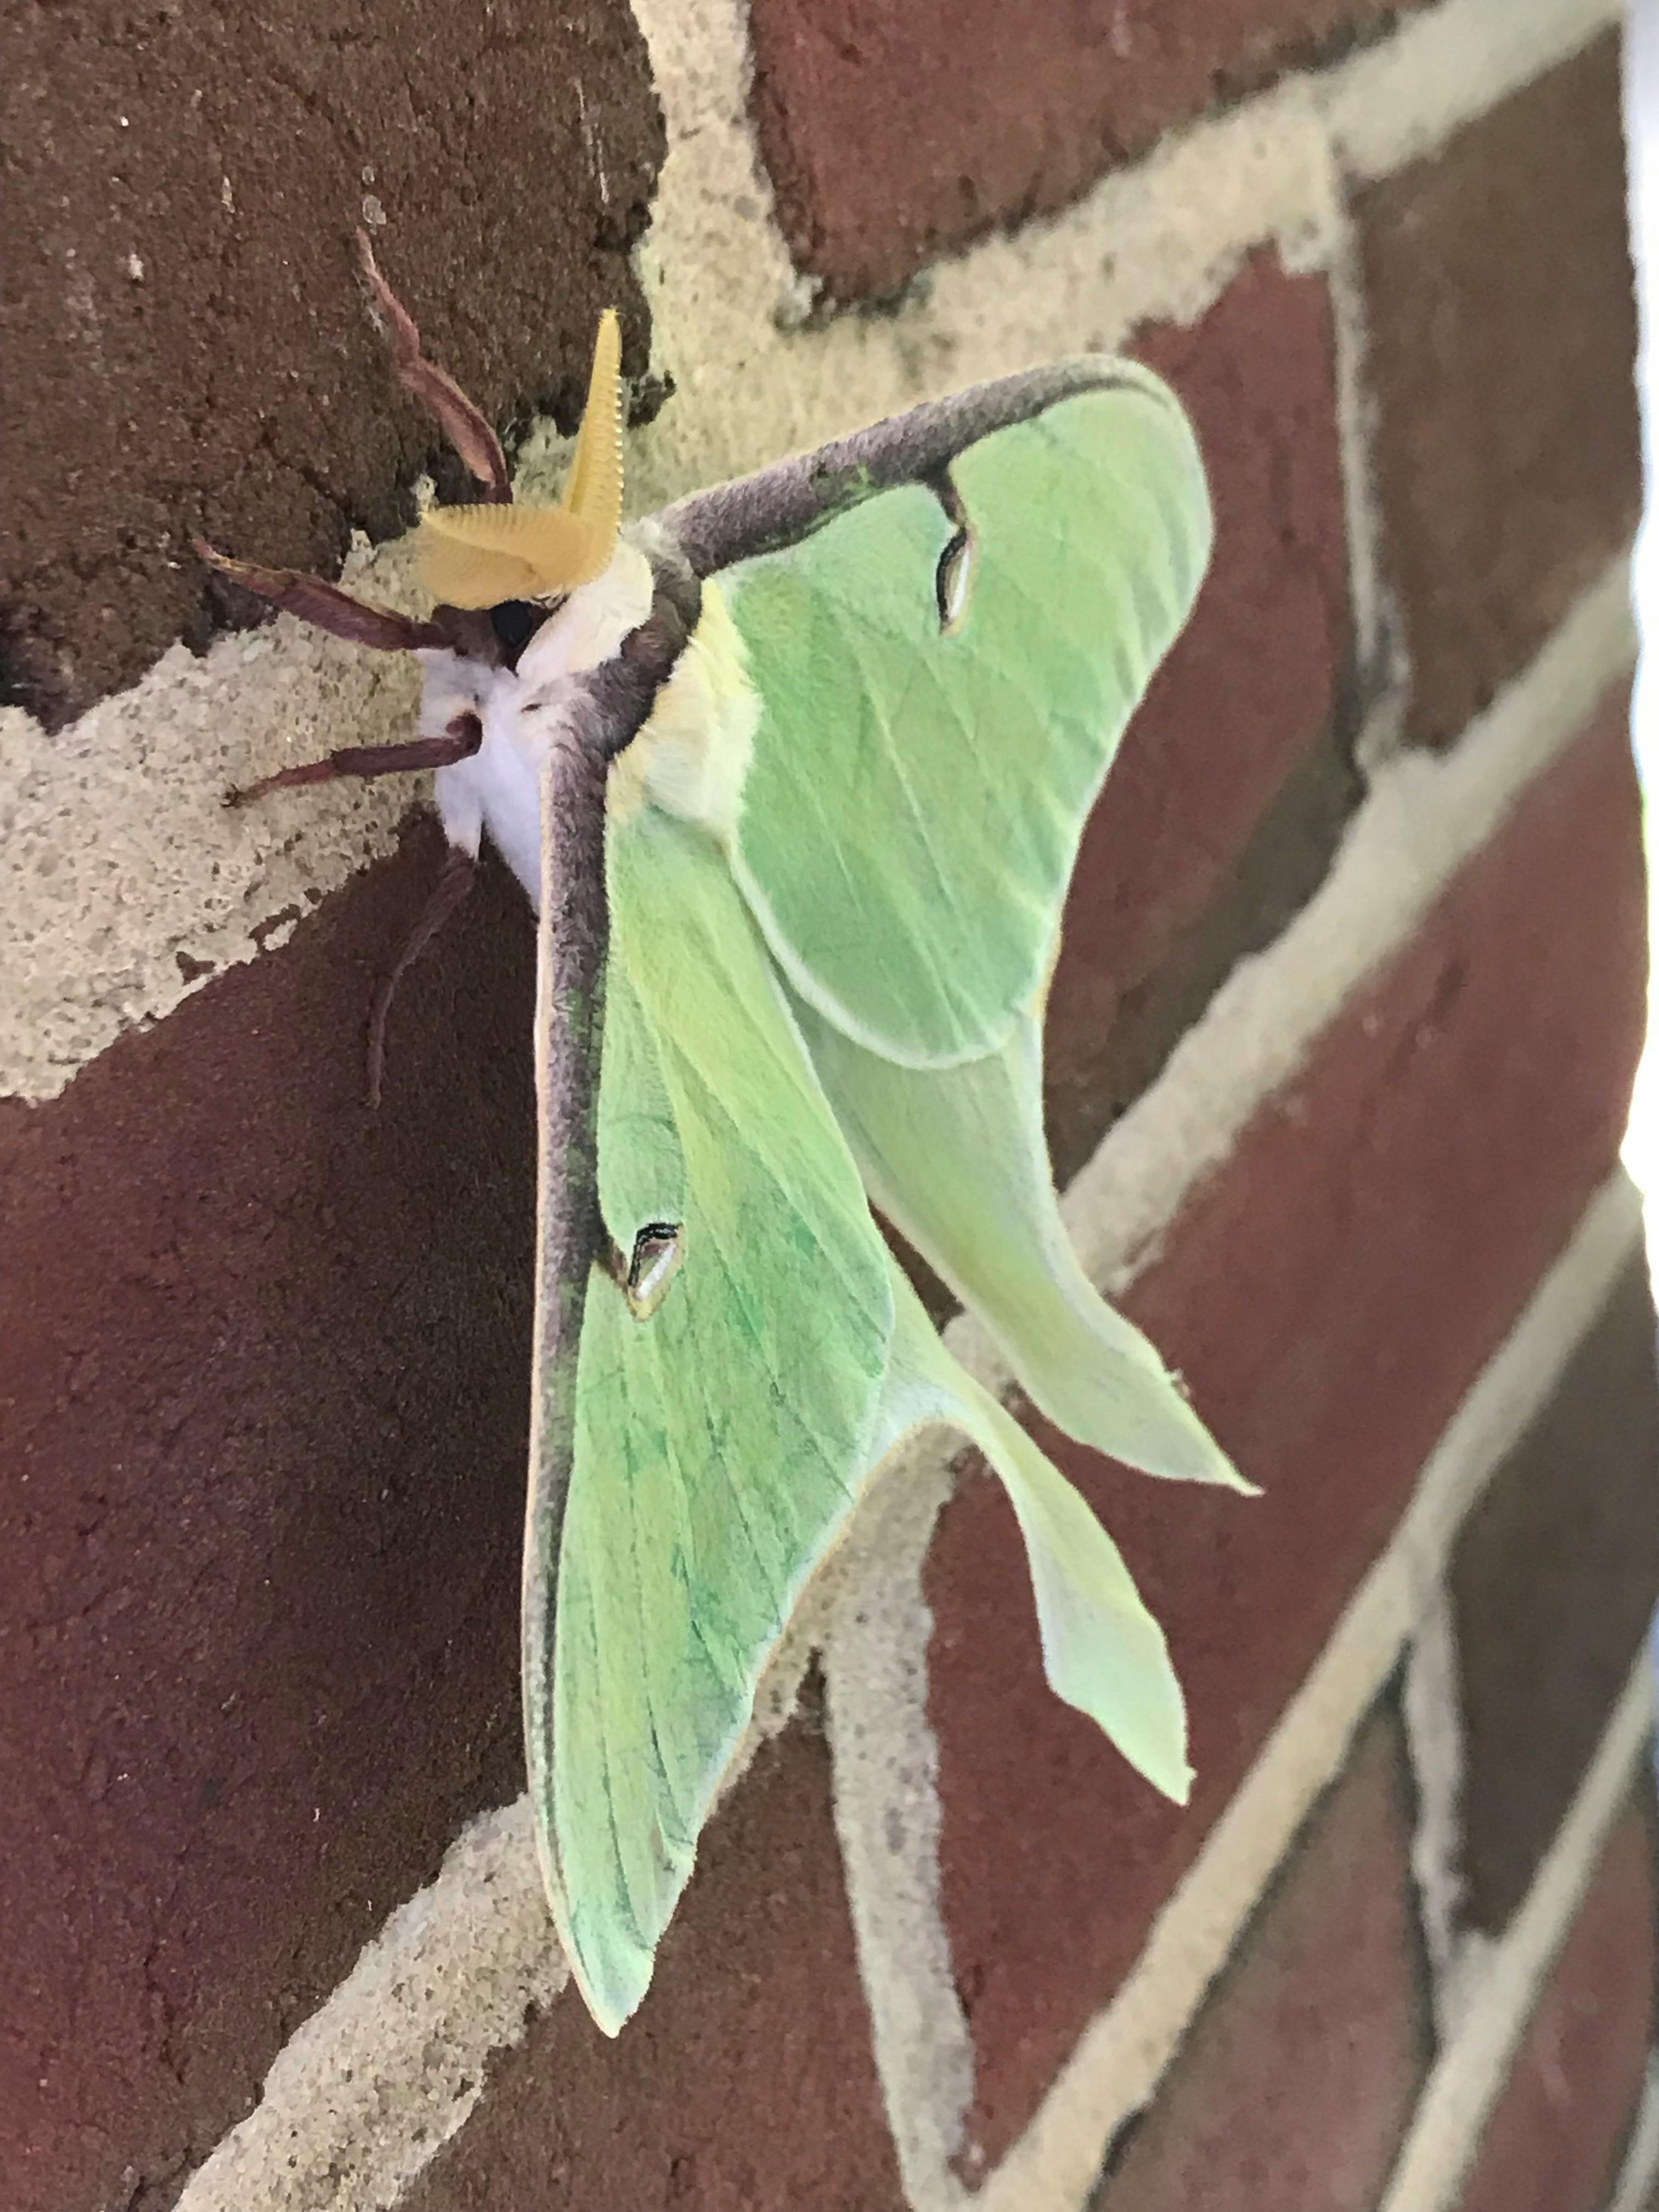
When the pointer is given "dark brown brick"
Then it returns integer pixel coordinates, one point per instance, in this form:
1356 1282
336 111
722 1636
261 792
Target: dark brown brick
744 2084
236 385
1502 346
897 133
1293 2086
1553 1584
1554 2142
1224 806
1330 1294
263 1362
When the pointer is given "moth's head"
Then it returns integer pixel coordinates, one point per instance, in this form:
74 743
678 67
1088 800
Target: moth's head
559 585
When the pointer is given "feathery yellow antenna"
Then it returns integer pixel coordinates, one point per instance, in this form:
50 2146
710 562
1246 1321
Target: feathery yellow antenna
592 490
476 556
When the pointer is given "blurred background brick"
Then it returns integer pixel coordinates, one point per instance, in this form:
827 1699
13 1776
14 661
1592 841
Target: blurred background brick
1502 349
897 133
1554 2139
1294 2084
1553 1583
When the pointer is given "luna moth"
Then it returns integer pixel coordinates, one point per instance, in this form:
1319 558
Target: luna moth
793 774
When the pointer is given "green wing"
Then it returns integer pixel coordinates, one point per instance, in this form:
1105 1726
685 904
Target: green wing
720 1441
955 1158
1101 1650
909 825
912 812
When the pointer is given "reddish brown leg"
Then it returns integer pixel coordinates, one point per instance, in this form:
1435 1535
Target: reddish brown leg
461 422
463 736
325 606
454 882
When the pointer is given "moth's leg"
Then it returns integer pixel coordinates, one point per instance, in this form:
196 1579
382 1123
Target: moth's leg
954 577
325 606
455 880
461 422
462 736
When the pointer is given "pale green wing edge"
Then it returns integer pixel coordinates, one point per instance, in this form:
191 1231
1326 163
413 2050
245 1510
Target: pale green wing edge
1102 1652
955 1158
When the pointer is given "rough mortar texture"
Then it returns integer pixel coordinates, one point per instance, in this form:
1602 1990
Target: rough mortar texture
131 882
894 135
1295 2083
1552 1585
395 2058
183 344
1502 322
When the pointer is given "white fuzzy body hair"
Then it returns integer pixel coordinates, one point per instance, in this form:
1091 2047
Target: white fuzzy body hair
691 758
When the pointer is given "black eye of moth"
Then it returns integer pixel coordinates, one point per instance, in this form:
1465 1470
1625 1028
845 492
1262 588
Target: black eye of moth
515 622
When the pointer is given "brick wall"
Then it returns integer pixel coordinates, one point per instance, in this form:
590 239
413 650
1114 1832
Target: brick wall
1339 1051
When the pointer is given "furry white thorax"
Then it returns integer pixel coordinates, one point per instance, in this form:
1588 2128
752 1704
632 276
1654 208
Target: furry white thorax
691 758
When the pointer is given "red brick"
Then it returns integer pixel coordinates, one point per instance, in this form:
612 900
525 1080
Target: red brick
1502 346
236 386
897 133
1246 709
1552 2144
1293 2088
1553 1584
1330 1294
746 2082
262 1363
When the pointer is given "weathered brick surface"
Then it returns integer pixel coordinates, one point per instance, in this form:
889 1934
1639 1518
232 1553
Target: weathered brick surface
1329 1295
1224 806
1293 2088
1554 2141
1503 343
183 341
896 133
744 2084
265 1410
1553 1582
